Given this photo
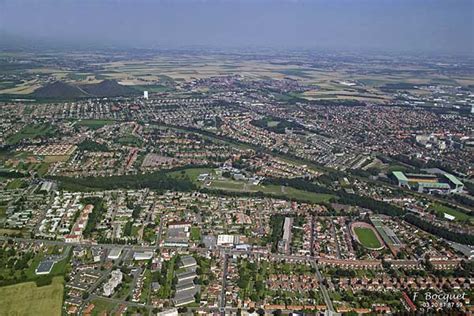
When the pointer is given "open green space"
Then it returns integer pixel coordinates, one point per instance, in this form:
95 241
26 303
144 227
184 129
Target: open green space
277 190
195 233
102 306
29 299
31 132
441 209
190 173
129 140
94 124
153 88
16 184
367 237
165 278
147 279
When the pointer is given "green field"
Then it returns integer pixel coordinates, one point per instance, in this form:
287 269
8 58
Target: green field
272 123
367 237
102 306
153 88
441 209
28 299
195 233
15 184
94 124
276 190
129 140
191 173
30 132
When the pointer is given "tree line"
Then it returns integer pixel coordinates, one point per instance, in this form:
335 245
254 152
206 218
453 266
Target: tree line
439 231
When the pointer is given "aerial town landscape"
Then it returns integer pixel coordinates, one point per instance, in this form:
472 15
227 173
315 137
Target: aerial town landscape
274 182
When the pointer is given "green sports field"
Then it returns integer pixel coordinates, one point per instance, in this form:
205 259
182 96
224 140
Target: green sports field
94 124
367 237
28 299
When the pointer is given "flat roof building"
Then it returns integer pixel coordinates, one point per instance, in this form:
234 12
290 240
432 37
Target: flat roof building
114 254
142 255
188 262
45 267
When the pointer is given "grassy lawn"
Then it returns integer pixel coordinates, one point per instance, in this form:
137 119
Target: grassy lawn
195 233
129 140
277 190
367 237
304 195
28 299
94 124
31 132
43 168
191 173
102 306
146 287
10 232
153 88
441 209
272 123
229 185
165 290
50 159
15 184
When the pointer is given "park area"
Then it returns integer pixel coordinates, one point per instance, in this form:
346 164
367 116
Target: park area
441 209
29 299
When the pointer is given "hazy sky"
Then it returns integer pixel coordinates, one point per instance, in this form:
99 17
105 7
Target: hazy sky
444 26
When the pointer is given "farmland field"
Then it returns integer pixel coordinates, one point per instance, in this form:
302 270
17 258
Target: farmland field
28 299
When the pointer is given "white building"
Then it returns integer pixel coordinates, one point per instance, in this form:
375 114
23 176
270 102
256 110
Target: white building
114 254
114 281
145 255
228 240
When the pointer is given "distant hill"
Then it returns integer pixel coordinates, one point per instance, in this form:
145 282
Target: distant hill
108 88
59 90
62 90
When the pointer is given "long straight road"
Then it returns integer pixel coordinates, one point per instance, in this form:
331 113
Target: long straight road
322 287
222 301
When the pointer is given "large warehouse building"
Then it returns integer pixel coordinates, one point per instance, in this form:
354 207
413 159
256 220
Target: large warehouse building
429 183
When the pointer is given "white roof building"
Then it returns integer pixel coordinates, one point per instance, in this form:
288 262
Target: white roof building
223 240
145 255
